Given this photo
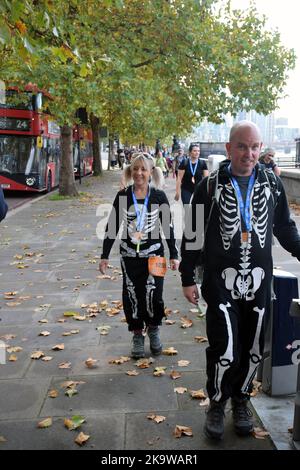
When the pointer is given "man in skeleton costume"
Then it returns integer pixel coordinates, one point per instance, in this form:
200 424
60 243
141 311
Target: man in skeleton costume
142 210
243 205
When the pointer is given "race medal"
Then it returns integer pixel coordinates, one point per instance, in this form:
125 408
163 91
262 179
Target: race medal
193 170
138 236
244 237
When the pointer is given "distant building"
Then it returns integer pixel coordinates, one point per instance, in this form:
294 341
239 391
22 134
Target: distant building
266 124
285 133
209 132
282 121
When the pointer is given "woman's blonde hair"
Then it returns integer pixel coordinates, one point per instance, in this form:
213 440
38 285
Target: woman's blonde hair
157 178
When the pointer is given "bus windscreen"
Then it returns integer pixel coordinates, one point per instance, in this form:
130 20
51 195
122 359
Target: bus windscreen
18 155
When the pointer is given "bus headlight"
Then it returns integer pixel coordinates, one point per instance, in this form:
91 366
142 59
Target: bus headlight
30 181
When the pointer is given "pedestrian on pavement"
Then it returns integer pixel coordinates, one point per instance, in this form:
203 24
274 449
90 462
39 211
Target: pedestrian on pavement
243 205
190 173
144 211
178 159
3 205
266 159
161 163
121 158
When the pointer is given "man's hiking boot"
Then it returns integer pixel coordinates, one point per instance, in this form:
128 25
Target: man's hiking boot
214 424
241 415
155 344
138 346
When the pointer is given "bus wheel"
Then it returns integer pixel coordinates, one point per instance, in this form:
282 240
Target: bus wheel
49 182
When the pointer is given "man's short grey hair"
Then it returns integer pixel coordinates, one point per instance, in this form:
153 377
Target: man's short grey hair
243 124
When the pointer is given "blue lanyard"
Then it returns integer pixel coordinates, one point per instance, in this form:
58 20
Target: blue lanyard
193 171
244 208
140 215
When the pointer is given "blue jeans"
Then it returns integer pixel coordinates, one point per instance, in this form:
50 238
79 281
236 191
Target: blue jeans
186 196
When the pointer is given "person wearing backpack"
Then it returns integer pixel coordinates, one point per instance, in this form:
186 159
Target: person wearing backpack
190 173
178 159
244 205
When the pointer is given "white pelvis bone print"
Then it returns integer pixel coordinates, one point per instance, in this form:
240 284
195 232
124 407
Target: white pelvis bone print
243 286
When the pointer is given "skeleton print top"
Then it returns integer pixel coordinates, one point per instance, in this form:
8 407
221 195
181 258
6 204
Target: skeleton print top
230 261
157 217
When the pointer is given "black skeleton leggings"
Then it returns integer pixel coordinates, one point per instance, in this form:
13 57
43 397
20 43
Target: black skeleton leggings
142 294
235 331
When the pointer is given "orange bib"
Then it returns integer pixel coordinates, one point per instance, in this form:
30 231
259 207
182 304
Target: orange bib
157 266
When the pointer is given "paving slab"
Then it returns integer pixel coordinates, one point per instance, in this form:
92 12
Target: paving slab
15 369
12 317
98 395
105 431
142 433
31 338
22 399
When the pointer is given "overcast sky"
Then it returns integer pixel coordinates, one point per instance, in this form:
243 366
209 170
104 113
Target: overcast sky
284 15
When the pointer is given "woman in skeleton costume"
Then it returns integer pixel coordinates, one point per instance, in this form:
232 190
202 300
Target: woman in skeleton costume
144 211
243 205
190 172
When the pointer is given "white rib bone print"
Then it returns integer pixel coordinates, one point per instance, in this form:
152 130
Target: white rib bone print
229 214
243 283
129 218
260 214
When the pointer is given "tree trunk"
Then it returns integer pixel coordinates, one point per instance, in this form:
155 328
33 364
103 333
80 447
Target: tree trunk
66 176
97 162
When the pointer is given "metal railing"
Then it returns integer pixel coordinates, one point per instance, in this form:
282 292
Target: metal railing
287 160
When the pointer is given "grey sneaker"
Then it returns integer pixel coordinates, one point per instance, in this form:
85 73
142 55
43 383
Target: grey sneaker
138 346
241 415
214 424
155 344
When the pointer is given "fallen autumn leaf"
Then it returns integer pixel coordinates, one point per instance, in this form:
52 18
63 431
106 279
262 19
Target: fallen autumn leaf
182 430
81 438
46 423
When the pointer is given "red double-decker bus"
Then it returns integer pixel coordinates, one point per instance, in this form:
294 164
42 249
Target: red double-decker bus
30 148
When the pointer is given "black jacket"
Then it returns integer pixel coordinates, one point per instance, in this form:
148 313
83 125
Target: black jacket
158 216
269 213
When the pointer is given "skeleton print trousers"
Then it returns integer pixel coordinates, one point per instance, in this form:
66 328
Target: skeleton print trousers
142 294
235 331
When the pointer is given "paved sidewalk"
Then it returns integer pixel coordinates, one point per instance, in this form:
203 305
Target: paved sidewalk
49 263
